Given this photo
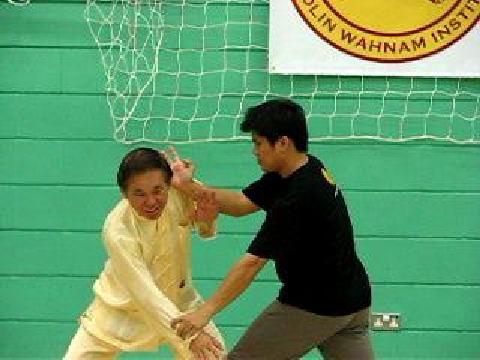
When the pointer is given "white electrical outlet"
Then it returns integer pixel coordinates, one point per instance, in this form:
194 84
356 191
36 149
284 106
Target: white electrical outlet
385 321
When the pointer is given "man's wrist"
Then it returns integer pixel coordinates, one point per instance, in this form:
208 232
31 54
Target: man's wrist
185 185
209 309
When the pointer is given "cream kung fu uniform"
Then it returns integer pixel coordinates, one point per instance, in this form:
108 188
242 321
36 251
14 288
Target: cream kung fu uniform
146 281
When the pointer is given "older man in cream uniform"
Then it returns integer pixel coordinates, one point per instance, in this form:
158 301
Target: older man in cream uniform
147 280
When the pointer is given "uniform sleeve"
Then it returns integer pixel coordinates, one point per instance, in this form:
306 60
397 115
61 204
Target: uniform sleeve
127 261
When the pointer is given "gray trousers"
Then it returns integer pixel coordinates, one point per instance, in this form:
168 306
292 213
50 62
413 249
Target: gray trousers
284 332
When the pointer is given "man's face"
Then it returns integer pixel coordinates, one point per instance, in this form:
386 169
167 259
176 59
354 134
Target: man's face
267 154
147 193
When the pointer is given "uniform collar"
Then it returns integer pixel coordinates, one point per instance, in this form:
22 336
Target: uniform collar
146 223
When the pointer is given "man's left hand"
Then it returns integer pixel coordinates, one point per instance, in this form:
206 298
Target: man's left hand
191 323
207 208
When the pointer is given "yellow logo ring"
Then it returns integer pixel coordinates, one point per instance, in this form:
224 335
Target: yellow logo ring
390 31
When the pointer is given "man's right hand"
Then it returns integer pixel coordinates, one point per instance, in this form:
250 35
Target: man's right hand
206 347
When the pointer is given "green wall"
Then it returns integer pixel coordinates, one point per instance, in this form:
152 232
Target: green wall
415 205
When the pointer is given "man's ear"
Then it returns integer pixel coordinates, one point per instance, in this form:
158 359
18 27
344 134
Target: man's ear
283 143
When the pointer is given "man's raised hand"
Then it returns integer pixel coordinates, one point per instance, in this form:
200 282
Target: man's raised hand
183 169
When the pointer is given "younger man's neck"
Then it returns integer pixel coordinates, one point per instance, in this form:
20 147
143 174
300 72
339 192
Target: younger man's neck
293 163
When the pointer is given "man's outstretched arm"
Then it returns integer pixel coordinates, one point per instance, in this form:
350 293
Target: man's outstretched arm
233 203
238 279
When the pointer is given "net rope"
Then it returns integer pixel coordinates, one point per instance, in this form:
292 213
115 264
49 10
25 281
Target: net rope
19 2
186 71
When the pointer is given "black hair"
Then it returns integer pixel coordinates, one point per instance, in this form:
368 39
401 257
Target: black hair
276 118
139 161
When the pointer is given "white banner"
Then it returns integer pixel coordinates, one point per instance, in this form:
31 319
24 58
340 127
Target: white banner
434 38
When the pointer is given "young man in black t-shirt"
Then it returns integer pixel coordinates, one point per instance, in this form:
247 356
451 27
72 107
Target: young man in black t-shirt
325 297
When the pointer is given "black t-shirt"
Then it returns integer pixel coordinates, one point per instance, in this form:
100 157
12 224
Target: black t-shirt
308 233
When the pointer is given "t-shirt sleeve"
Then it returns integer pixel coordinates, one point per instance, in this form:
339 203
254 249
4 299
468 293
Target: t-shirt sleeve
264 191
263 246
282 223
273 231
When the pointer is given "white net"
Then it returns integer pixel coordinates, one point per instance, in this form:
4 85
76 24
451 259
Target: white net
19 2
186 70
